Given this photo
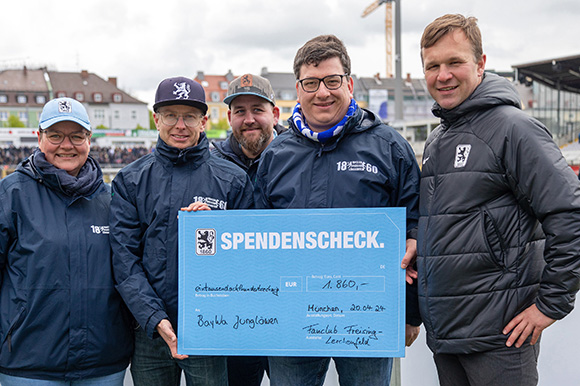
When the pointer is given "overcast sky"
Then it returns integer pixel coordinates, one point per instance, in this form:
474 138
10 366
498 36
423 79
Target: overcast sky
142 42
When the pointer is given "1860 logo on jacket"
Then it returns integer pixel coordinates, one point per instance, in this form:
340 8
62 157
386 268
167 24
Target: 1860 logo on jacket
205 242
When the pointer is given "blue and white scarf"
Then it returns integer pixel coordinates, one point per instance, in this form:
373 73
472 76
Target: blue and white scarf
325 135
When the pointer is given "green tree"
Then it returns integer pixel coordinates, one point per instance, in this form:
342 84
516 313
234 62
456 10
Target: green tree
14 121
222 124
101 126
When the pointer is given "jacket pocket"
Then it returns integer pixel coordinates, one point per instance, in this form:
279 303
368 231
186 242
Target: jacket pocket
493 240
14 324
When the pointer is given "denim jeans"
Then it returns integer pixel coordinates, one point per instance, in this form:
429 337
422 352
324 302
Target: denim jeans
246 371
310 371
107 380
508 366
153 365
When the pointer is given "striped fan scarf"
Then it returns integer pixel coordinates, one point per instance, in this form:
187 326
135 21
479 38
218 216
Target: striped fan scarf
325 135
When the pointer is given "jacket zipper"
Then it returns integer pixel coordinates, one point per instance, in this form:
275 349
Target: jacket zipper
12 327
435 154
497 259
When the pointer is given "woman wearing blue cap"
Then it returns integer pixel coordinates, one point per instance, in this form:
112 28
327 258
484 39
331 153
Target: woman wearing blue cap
61 319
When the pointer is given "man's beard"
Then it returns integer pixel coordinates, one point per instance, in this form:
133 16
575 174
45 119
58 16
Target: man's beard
254 146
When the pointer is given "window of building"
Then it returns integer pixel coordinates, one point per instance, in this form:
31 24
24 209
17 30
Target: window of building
215 114
117 98
3 98
99 113
215 96
23 116
224 85
286 109
60 94
79 96
40 99
116 114
21 99
133 114
3 115
98 97
287 95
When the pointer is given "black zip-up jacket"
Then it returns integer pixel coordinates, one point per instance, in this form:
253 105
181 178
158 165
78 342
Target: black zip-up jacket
499 222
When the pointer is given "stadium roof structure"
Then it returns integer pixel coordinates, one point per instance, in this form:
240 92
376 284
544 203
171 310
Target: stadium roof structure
559 73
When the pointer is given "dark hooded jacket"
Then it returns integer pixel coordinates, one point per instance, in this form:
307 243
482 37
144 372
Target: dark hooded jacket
231 150
60 315
498 230
368 165
147 196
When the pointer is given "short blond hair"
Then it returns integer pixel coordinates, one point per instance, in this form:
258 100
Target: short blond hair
449 23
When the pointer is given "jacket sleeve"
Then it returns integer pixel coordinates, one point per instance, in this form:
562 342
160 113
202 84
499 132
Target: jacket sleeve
4 238
261 200
544 184
406 187
132 283
242 196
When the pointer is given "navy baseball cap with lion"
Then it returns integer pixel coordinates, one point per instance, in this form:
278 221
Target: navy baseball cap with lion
180 91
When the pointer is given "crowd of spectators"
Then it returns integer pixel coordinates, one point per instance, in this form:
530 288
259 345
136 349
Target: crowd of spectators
107 156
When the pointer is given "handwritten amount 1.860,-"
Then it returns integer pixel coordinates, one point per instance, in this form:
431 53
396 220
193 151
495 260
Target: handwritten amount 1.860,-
343 284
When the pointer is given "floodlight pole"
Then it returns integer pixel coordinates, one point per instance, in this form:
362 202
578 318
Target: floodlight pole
398 64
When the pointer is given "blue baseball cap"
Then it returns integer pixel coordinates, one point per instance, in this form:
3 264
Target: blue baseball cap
180 91
64 109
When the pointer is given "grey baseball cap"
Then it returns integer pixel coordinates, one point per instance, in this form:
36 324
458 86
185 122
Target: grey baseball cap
249 84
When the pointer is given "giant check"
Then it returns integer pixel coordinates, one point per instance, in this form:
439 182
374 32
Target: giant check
312 282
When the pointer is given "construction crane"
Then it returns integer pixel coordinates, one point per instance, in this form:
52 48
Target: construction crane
389 36
388 29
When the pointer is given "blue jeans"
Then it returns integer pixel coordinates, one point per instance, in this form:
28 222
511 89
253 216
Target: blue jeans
107 380
310 371
507 366
153 365
246 371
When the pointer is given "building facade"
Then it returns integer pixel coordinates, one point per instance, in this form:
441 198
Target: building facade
23 93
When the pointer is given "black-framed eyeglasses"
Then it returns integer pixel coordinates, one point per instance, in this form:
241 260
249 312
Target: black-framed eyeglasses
171 119
332 82
56 137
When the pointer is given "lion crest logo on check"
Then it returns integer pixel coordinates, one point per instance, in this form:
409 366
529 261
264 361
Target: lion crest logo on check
205 242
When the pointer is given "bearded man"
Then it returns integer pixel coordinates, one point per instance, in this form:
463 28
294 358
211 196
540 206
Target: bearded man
253 116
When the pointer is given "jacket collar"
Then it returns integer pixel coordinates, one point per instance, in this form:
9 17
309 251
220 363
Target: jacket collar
194 154
84 185
361 120
493 91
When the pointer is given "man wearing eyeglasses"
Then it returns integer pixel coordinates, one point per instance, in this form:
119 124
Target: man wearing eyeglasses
337 155
147 196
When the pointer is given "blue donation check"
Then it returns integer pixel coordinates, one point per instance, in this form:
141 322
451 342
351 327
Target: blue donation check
294 282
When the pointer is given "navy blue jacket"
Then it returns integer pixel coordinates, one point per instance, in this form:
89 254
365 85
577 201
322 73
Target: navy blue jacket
231 150
368 165
60 316
147 196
